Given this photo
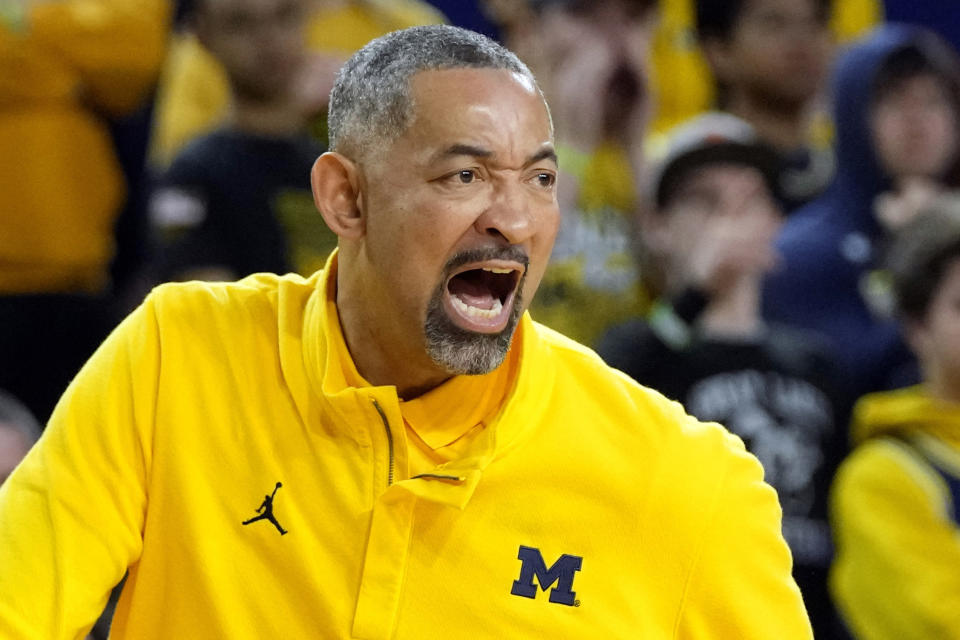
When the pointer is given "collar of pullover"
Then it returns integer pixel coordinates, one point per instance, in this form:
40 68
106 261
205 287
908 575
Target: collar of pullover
505 401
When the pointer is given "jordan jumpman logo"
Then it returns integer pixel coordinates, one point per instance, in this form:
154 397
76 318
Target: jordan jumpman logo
266 511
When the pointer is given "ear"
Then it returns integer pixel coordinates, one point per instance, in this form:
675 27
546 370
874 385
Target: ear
336 192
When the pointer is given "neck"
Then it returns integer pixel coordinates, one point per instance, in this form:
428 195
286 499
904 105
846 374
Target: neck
784 126
271 119
942 388
376 350
734 312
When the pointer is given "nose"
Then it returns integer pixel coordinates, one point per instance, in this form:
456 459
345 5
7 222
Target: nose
510 215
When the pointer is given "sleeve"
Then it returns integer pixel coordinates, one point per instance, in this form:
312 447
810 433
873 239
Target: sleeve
72 513
116 47
741 585
895 574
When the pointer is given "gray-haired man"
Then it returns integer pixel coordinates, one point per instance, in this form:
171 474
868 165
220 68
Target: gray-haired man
449 467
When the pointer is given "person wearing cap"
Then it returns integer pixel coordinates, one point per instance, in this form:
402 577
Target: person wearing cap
711 231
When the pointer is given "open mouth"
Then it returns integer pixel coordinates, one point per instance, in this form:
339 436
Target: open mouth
481 298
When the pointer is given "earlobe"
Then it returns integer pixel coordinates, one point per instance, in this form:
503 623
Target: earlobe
336 192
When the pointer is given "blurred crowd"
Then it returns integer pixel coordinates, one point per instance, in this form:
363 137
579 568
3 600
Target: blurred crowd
759 220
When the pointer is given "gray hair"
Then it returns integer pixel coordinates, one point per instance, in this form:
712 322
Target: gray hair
370 101
15 414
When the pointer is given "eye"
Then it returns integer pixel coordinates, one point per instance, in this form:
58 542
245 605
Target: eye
544 179
466 176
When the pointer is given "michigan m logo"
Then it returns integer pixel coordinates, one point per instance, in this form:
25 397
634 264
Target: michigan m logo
561 572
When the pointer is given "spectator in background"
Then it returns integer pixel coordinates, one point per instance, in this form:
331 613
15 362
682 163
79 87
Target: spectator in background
590 57
681 79
18 431
896 501
194 93
713 226
769 59
896 105
64 68
237 200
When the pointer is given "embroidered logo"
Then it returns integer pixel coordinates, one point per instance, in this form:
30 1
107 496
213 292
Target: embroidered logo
266 511
562 572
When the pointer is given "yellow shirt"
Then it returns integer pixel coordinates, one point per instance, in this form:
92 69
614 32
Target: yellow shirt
214 449
441 424
896 574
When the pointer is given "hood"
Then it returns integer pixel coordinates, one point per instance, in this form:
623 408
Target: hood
859 177
905 410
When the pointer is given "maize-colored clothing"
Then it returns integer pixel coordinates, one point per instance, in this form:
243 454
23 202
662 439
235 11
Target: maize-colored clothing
194 91
61 187
680 76
222 447
896 574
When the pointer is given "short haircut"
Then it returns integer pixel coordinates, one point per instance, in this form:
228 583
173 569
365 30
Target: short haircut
14 413
920 255
929 57
371 102
719 18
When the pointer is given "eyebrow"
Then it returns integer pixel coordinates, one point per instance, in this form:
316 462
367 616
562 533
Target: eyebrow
546 153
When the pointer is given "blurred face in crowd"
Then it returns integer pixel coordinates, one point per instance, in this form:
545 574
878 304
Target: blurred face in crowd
13 447
725 208
914 126
936 338
461 214
778 51
260 43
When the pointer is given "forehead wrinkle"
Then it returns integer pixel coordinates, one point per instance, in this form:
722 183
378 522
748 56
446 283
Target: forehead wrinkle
484 130
460 149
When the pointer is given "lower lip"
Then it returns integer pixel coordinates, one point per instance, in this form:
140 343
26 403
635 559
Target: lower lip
494 324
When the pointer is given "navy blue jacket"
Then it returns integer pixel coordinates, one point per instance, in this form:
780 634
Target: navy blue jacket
830 246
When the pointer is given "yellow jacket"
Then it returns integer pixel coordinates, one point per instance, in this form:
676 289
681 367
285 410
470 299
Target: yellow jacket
214 448
62 64
896 573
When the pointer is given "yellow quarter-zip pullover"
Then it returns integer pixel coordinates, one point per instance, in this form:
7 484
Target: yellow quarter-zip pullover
215 447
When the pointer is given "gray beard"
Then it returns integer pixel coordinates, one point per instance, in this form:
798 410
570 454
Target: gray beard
462 352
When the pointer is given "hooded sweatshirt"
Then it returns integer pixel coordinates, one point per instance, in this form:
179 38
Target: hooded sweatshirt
895 511
830 248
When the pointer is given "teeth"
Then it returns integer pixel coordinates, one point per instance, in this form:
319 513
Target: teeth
494 270
475 312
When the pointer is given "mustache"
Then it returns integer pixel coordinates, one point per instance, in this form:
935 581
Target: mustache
511 253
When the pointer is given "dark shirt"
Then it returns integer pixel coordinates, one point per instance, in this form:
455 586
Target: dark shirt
243 203
780 394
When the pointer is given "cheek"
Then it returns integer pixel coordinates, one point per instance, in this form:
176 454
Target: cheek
944 133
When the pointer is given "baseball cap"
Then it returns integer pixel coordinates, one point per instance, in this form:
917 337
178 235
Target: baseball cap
712 138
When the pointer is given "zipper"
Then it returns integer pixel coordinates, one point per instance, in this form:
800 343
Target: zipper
386 426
